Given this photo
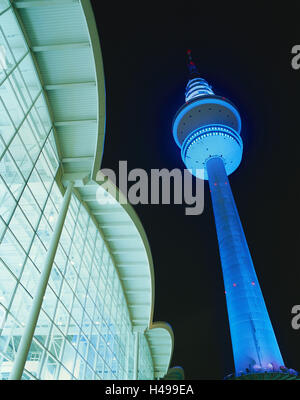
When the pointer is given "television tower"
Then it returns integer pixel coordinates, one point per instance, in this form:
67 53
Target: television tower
207 130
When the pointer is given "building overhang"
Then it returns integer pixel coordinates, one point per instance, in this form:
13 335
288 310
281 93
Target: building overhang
63 39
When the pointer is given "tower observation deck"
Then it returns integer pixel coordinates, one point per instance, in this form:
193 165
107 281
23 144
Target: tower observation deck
207 130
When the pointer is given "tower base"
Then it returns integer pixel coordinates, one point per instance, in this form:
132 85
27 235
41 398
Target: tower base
264 376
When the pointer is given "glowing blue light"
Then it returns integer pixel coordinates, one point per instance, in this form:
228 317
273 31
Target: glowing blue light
218 148
253 340
197 87
200 101
228 149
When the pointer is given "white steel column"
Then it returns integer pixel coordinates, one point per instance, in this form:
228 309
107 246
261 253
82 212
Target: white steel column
128 355
27 336
136 355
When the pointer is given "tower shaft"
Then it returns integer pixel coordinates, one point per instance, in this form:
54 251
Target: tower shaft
253 340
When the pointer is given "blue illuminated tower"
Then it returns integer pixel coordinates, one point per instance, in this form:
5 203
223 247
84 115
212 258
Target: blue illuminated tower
207 130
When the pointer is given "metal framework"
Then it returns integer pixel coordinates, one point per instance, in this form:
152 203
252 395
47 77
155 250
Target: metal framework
76 275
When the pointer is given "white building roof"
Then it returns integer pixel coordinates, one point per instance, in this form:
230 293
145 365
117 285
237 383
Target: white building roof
63 38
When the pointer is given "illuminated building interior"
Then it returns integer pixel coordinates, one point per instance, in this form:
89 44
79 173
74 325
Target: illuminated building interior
76 276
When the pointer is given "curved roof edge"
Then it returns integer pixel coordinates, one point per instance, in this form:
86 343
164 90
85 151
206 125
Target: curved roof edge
100 82
159 334
70 68
160 337
122 201
99 70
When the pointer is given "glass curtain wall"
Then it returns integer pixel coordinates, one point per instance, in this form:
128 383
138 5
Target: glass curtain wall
84 329
145 360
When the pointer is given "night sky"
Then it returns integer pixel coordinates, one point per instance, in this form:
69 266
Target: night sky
245 54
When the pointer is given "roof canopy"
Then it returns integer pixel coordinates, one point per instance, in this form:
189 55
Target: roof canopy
63 38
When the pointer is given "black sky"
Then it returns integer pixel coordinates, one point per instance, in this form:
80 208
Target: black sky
245 54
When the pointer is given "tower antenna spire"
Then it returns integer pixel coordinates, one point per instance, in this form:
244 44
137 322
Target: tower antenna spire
193 70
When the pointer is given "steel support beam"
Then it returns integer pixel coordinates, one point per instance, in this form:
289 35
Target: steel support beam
24 346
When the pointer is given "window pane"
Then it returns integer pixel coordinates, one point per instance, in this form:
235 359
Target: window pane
7 202
64 374
41 108
56 343
34 358
30 77
20 156
6 58
21 92
51 157
37 127
12 253
30 207
21 228
44 171
6 126
55 279
9 345
37 253
7 285
11 103
50 213
66 296
44 232
43 327
60 259
21 305
61 317
11 175
30 277
3 4
49 368
13 34
29 140
37 188
69 354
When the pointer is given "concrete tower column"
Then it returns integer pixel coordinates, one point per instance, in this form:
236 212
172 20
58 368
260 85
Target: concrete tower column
253 340
207 129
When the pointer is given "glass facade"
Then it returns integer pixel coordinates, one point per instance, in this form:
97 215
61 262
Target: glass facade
145 360
84 329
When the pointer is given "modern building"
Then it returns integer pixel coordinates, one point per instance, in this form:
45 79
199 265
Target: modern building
207 130
76 274
174 374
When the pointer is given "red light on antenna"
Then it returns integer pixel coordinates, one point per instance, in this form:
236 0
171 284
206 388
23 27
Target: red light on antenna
234 284
252 283
189 51
192 63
